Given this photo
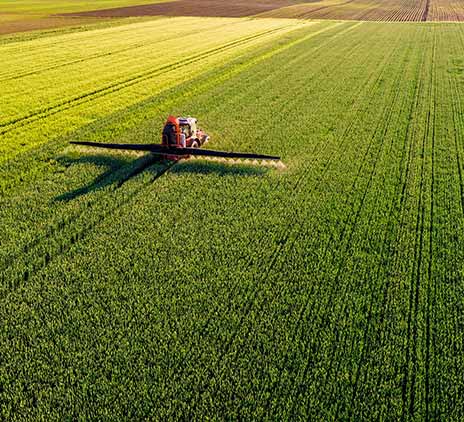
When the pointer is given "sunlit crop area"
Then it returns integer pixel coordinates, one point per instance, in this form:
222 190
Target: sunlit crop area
329 290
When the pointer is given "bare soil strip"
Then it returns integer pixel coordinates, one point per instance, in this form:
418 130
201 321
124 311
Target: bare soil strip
24 25
216 8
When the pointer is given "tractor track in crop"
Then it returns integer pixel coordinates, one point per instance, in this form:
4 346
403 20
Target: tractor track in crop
117 86
303 309
329 242
387 241
411 364
452 314
31 247
396 210
343 235
382 127
457 106
415 292
432 110
410 132
430 133
402 194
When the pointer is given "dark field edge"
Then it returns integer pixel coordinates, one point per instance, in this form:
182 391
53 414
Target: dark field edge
195 8
211 8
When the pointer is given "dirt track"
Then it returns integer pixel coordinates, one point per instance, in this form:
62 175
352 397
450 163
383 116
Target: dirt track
51 22
218 8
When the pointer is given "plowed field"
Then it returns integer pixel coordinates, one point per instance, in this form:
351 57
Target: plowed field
238 8
364 10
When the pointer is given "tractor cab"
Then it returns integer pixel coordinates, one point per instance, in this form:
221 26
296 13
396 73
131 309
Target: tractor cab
183 132
188 126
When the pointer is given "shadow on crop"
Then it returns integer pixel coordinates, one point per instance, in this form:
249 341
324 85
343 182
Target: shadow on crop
120 170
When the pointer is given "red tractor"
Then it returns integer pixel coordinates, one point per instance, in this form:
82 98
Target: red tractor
183 132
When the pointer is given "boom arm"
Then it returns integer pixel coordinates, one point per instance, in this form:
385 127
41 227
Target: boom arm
163 150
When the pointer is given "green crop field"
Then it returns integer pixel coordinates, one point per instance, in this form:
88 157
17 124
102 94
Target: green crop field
329 290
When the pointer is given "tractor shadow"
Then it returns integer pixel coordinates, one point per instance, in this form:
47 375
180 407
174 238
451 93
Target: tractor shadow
119 170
